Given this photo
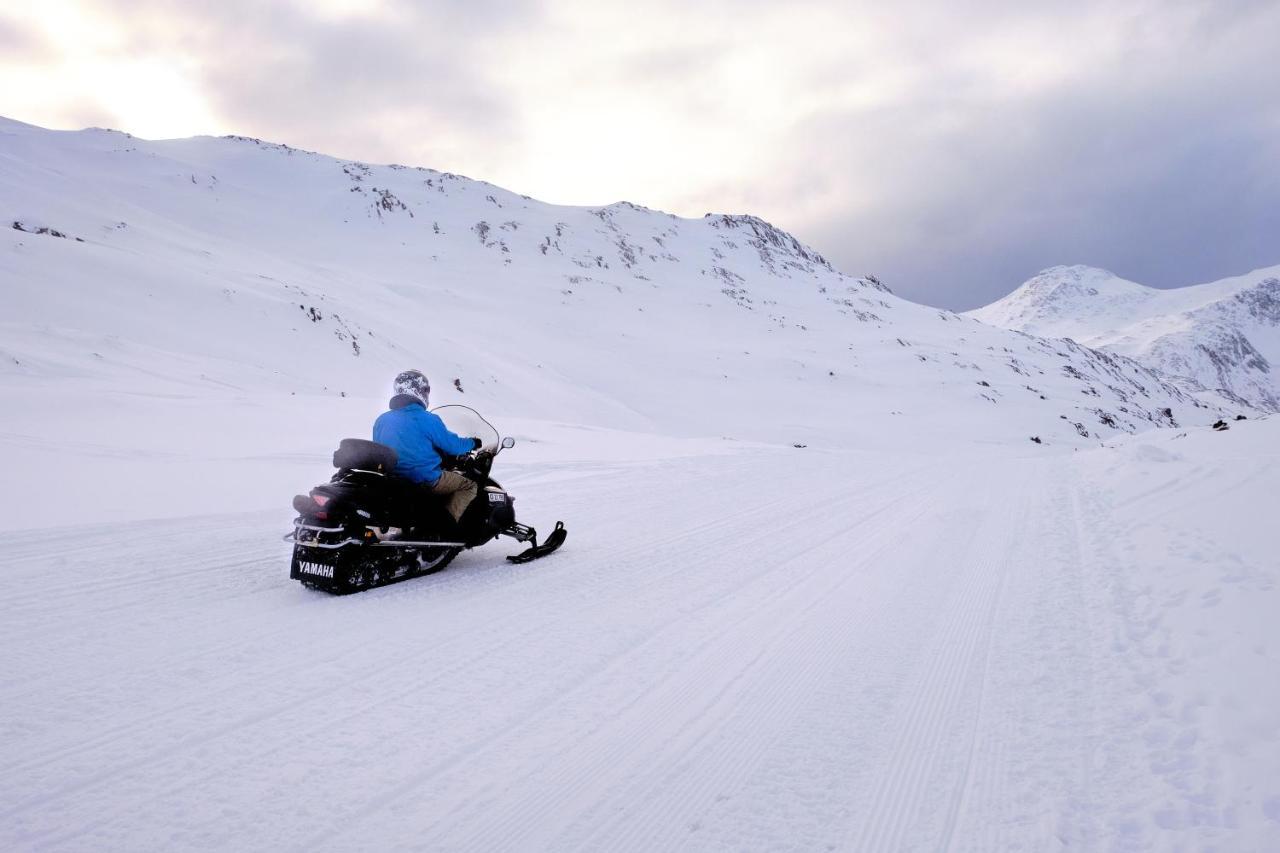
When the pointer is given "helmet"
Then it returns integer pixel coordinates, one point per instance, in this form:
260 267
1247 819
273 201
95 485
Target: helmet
414 383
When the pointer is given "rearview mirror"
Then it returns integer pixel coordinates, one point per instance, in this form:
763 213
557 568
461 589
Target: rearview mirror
508 442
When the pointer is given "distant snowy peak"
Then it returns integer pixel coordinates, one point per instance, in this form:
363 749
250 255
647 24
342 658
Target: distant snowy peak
1224 335
1079 281
1064 300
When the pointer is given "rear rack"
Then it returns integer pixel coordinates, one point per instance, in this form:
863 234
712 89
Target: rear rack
315 531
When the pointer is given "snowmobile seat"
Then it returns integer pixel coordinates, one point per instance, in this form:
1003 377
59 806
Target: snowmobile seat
364 455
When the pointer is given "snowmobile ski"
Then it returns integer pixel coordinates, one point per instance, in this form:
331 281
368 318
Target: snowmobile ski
553 541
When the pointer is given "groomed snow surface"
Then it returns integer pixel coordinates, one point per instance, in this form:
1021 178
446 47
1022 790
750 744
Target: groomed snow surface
750 647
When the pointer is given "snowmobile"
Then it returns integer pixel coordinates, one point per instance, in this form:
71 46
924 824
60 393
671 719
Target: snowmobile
366 528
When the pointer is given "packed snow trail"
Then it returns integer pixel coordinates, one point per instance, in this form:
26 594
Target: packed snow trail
766 650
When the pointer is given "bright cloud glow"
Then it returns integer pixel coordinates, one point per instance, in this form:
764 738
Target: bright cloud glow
82 67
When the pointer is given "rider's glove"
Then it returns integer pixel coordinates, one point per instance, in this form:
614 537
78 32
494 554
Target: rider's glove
476 444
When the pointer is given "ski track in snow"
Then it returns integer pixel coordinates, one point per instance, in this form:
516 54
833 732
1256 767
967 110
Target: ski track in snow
769 651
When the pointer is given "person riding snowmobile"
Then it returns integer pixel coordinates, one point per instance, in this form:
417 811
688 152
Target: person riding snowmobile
420 438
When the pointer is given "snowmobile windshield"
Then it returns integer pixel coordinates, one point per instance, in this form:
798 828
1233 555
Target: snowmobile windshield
466 422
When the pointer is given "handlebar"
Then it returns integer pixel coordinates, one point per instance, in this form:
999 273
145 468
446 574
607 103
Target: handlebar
474 461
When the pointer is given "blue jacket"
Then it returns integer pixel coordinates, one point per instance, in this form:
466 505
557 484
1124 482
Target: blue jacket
418 437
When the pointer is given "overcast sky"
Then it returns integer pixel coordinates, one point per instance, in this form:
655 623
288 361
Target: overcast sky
953 149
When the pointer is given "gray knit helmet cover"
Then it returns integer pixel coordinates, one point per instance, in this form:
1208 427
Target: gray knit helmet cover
414 383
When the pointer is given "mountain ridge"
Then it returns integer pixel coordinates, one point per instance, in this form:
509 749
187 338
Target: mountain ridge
1222 335
235 268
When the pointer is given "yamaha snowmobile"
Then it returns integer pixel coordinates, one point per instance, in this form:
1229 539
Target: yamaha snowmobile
367 527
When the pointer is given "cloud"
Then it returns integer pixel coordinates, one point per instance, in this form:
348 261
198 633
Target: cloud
16 42
401 81
1157 159
953 151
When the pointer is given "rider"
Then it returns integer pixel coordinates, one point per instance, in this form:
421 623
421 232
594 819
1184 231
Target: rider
419 438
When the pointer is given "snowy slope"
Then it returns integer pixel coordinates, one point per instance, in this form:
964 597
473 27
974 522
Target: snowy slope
1221 335
226 266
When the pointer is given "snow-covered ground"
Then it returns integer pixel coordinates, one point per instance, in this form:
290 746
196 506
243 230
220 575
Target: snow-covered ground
768 648
918 629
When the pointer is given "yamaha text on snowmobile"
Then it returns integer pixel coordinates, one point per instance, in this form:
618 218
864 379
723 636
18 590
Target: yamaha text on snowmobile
366 527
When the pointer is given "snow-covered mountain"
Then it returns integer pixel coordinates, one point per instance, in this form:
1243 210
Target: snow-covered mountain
1223 335
233 269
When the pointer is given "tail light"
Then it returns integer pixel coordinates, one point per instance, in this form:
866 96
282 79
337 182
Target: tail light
321 500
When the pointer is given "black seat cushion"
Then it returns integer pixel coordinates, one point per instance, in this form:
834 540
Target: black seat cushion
365 455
